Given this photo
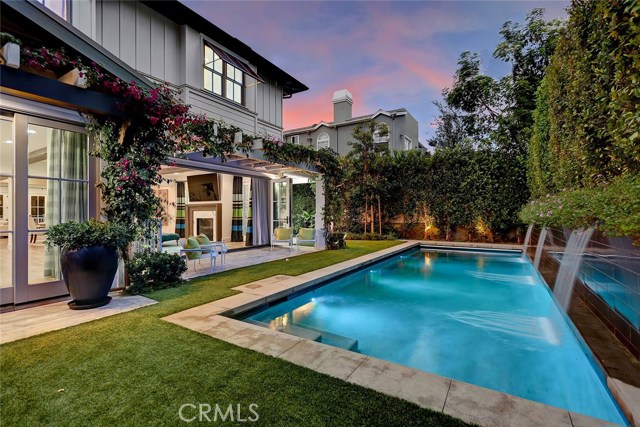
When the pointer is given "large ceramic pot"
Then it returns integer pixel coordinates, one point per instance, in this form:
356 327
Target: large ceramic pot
88 274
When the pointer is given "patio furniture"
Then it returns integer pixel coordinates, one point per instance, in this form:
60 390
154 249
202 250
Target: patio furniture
192 251
219 247
306 236
282 235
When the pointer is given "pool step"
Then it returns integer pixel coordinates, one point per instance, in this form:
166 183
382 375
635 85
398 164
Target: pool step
291 330
336 340
313 334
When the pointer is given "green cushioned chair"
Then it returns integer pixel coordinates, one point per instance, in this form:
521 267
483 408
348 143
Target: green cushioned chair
203 240
192 243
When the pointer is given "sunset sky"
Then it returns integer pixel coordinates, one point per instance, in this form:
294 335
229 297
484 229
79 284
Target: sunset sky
387 54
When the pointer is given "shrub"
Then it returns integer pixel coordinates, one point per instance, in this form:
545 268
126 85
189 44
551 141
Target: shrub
149 271
370 236
76 235
336 240
614 207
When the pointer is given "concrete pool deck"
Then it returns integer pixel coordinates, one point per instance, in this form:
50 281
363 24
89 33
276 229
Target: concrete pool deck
468 402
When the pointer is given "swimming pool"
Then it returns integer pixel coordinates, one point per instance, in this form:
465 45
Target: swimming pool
479 317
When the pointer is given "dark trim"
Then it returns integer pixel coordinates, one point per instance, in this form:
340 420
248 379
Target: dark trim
183 15
47 21
42 89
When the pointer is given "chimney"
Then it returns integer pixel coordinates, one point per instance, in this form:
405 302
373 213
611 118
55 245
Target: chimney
342 102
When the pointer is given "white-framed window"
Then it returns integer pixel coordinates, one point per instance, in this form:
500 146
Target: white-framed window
62 8
38 205
381 133
408 143
294 139
323 141
221 77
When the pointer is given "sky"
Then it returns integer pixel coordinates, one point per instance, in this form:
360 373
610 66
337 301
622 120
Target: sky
388 54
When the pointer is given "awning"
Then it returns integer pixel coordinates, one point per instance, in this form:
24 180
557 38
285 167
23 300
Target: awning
230 59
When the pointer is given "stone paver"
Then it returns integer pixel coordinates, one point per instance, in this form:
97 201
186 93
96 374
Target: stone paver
491 408
629 398
579 420
240 302
252 337
426 390
38 320
323 358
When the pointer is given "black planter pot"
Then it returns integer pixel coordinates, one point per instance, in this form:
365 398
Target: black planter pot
88 274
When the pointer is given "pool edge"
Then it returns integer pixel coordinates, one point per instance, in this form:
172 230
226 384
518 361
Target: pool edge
466 401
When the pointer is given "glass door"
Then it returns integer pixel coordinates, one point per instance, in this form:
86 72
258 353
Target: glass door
281 203
7 279
52 171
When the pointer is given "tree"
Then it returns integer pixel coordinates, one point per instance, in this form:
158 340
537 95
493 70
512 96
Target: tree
366 180
528 49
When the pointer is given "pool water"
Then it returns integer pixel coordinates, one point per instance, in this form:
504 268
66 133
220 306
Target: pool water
483 318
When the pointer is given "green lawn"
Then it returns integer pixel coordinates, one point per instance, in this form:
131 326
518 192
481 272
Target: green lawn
136 369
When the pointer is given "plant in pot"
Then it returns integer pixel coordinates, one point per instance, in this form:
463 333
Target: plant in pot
89 253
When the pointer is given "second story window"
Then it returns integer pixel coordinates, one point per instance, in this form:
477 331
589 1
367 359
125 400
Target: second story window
62 8
294 139
213 71
408 143
323 141
235 82
222 78
381 133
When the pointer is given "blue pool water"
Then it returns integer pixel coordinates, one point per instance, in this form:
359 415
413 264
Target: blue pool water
483 318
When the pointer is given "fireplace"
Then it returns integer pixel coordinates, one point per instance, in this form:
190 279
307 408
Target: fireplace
205 219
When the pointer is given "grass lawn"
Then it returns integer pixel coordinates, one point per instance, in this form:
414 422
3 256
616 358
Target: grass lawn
136 369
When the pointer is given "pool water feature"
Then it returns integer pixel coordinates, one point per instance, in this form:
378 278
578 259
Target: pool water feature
483 318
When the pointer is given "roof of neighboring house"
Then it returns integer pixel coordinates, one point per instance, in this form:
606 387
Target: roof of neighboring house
34 20
183 15
354 120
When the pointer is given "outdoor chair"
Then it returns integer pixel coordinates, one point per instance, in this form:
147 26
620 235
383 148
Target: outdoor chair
219 247
282 235
306 236
192 251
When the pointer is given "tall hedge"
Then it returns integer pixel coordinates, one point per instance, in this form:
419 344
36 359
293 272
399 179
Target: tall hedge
588 110
586 134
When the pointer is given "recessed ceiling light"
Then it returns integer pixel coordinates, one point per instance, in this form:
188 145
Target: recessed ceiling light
8 141
31 131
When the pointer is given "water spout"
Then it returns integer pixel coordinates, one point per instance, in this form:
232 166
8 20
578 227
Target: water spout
569 266
541 239
527 237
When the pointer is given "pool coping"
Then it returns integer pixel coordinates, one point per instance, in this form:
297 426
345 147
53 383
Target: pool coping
468 402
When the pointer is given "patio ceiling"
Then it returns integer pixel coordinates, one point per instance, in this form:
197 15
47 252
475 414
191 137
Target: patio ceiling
253 165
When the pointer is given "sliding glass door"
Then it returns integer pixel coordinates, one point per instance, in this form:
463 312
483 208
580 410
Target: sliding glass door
6 210
50 176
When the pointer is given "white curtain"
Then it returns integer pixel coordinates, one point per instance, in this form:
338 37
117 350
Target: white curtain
261 211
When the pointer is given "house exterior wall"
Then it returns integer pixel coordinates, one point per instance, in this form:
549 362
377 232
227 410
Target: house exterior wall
159 48
341 134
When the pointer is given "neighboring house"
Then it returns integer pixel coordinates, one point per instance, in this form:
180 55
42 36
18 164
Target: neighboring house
401 131
145 42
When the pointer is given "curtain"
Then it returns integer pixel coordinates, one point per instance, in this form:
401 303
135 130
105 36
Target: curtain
236 216
261 203
51 213
66 200
180 209
249 231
